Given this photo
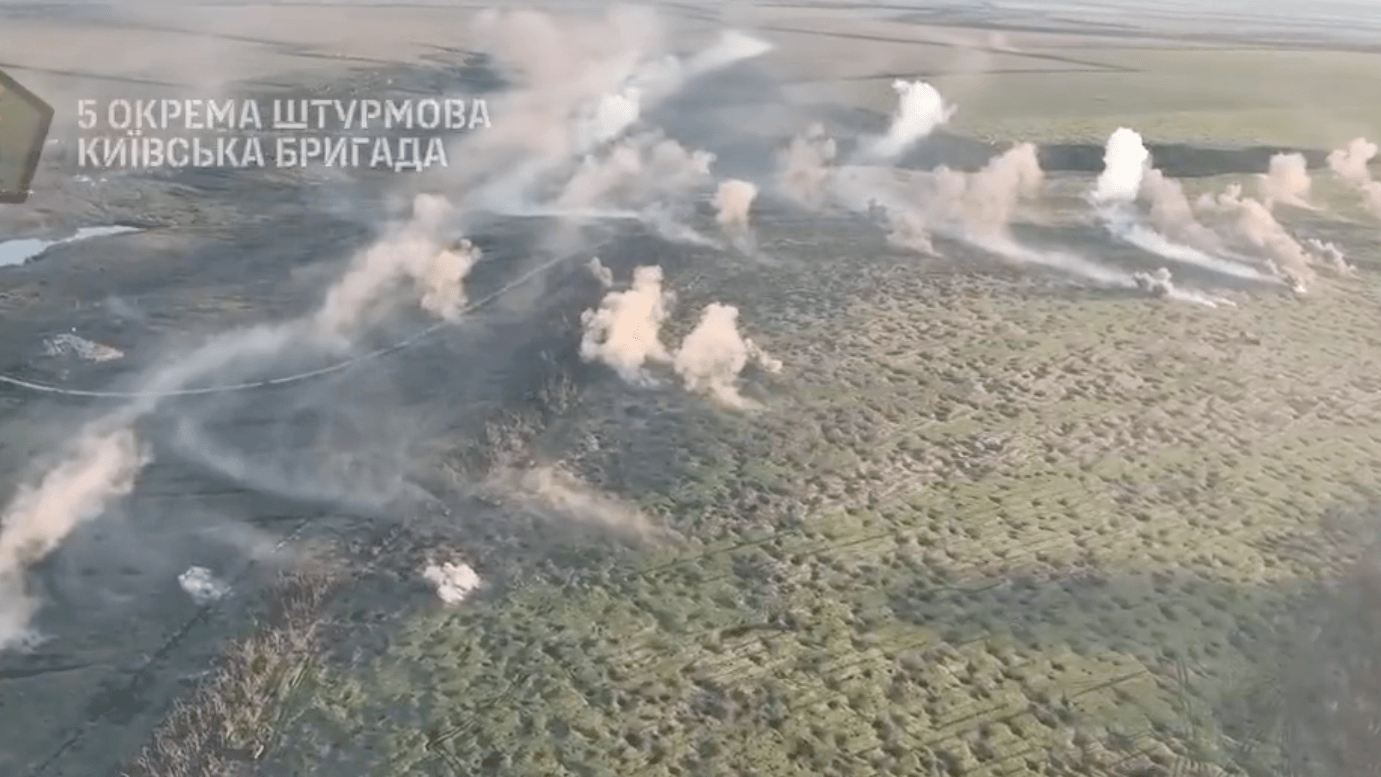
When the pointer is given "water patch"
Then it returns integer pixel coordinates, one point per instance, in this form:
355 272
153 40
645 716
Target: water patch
18 252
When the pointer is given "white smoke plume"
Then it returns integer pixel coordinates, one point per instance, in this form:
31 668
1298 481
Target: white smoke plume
608 118
413 253
1286 182
625 331
908 230
1177 234
920 111
1173 215
732 47
1350 164
1160 284
101 467
714 353
454 581
603 274
804 167
645 169
983 203
1124 163
1250 222
1157 284
554 489
584 84
105 460
732 203
1331 255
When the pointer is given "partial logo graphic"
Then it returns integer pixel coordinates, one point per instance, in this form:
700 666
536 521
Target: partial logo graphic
24 122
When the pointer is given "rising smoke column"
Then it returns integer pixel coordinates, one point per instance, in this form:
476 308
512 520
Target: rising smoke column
603 274
732 203
803 168
100 469
713 355
1250 222
1350 164
1286 182
1173 215
921 110
1125 160
584 85
625 331
1128 176
647 168
984 202
412 253
102 463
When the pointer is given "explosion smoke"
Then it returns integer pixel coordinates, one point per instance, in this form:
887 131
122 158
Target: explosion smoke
100 469
585 85
553 489
106 458
732 203
909 231
411 252
625 332
1178 236
603 274
639 170
1251 223
984 202
1286 182
1173 215
1350 165
1124 163
803 167
713 355
921 110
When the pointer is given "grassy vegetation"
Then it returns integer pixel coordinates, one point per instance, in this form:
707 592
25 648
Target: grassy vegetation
230 720
986 525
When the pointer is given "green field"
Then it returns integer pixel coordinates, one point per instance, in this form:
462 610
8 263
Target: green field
982 526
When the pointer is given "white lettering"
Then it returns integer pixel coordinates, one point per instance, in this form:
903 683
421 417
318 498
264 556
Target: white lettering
202 157
222 115
192 115
254 153
455 114
436 153
126 115
398 113
347 118
369 109
171 109
335 153
382 153
311 149
249 116
145 116
479 111
86 149
116 155
86 116
285 115
173 157
408 154
286 154
435 114
355 145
